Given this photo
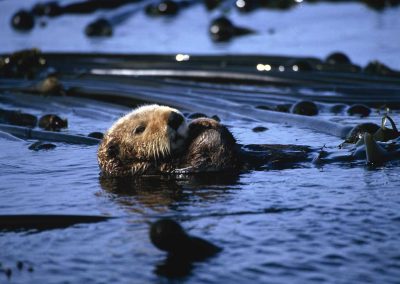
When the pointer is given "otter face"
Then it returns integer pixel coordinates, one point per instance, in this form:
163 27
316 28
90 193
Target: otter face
151 131
142 137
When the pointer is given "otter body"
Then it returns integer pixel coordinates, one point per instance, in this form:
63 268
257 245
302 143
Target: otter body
156 139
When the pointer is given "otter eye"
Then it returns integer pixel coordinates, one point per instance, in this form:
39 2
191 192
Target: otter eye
139 129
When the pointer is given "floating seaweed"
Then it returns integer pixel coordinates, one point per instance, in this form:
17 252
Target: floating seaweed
45 222
25 63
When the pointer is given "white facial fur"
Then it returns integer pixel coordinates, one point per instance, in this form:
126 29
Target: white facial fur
174 139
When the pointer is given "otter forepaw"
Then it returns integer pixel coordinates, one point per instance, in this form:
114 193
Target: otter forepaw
194 170
187 170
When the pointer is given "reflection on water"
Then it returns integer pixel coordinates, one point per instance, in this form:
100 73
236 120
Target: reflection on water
161 193
172 267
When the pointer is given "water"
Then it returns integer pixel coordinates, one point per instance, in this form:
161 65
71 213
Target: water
336 223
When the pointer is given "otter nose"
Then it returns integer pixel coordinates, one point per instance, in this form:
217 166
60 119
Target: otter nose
175 120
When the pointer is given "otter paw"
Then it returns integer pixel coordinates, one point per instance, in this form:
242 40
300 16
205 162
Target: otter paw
186 170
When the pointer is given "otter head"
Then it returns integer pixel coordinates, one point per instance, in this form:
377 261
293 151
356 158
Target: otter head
144 139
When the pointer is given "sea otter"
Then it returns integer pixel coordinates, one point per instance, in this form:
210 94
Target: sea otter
155 139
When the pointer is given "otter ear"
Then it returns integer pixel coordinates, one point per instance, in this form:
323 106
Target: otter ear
112 150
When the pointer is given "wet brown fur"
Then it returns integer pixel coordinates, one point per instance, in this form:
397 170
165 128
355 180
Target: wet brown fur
124 153
209 146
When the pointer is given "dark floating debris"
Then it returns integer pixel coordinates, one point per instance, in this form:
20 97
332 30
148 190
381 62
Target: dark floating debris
274 210
260 129
301 65
212 4
359 109
23 20
378 68
174 268
99 28
358 131
50 86
169 236
8 272
97 135
53 9
338 108
246 6
38 146
104 25
273 156
17 118
222 29
50 9
251 5
28 133
165 8
52 122
375 4
339 62
305 108
375 154
45 222
385 134
87 7
283 107
338 58
39 9
23 64
280 108
20 265
278 4
379 5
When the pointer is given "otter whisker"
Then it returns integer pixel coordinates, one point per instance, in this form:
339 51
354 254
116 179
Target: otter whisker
152 151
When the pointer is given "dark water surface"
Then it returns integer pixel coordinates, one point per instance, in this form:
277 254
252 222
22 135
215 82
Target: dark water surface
338 223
